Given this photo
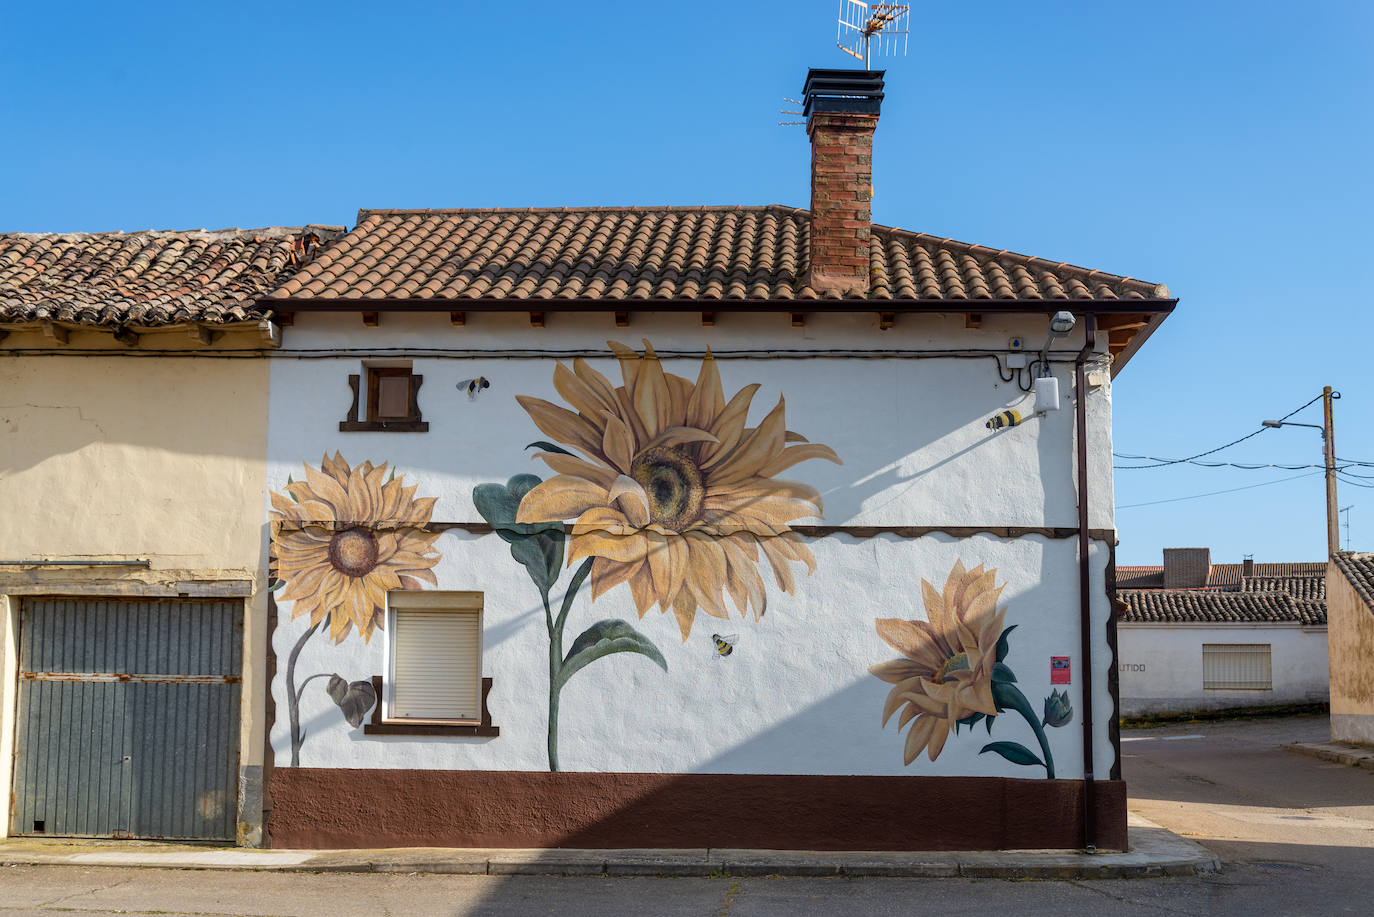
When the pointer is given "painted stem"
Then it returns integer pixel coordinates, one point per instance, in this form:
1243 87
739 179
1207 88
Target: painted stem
555 663
555 626
293 694
1023 707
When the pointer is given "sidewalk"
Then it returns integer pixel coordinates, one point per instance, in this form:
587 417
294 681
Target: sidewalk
1337 752
1155 851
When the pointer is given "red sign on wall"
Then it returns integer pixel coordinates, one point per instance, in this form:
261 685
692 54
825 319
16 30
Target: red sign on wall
1059 670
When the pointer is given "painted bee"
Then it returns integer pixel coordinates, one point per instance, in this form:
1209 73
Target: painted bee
474 387
1008 418
724 645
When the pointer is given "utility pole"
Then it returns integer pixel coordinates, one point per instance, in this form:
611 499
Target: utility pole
1333 531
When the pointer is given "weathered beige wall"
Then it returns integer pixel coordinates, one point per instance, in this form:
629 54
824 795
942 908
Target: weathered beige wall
1350 632
138 457
119 457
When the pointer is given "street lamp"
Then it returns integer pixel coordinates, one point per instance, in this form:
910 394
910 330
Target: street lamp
1333 532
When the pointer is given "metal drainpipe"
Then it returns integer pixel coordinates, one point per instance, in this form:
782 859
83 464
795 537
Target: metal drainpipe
1085 583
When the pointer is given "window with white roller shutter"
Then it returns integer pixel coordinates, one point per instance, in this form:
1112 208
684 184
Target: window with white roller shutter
435 657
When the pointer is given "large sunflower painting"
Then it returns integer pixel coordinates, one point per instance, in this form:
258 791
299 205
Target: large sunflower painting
951 672
341 539
673 492
669 491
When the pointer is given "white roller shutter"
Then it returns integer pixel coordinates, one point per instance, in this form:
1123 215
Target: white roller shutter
1236 667
436 656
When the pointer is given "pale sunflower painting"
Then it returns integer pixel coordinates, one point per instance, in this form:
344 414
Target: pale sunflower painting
951 672
669 492
341 539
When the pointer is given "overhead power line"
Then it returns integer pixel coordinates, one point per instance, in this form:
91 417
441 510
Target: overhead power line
1194 496
1193 459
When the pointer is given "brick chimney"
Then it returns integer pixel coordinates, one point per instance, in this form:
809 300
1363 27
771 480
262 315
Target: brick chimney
1187 568
841 108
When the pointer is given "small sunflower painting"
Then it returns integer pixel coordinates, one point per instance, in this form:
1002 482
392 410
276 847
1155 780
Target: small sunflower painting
952 671
341 539
668 491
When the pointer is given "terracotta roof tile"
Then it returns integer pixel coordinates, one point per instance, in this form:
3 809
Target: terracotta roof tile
1359 570
1194 606
639 254
1222 576
145 279
1310 588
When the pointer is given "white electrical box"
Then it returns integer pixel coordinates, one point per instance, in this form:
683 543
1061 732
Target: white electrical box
1046 394
1018 360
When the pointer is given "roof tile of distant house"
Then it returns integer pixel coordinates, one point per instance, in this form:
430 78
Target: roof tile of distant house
1191 606
664 253
146 279
1308 588
1358 569
1223 576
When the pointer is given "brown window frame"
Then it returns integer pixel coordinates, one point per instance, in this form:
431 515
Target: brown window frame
412 422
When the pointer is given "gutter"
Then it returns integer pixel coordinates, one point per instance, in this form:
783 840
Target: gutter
1085 583
603 304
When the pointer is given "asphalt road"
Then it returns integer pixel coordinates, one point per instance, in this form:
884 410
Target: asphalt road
1296 836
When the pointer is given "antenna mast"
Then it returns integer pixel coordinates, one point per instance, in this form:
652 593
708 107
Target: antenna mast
860 23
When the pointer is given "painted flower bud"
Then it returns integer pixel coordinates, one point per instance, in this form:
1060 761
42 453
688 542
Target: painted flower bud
1058 710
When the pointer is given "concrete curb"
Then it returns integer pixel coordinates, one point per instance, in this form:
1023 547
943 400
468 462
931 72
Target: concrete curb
1155 851
1349 755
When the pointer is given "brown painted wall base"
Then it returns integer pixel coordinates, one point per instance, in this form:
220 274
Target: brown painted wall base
327 807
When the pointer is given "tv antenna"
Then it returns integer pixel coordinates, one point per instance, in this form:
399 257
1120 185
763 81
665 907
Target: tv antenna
1346 510
861 22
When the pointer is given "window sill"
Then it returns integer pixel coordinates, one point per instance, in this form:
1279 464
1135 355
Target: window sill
383 426
428 729
377 727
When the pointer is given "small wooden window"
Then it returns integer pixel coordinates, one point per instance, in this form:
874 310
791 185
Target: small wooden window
392 402
1237 667
436 657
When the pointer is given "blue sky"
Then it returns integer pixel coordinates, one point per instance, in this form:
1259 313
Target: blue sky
1222 148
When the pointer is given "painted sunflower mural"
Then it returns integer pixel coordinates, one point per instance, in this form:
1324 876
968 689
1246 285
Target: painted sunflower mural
672 492
341 539
668 490
951 672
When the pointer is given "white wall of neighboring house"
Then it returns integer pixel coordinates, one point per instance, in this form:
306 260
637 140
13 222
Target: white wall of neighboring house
1160 666
796 696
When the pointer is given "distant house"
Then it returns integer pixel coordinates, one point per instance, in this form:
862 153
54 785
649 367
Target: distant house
1193 635
1350 579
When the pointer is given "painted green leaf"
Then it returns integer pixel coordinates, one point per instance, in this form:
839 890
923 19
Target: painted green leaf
989 724
604 638
547 446
1013 752
1001 673
536 545
1002 645
972 719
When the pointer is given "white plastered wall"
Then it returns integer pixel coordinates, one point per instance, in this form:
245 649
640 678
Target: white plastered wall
1161 666
796 696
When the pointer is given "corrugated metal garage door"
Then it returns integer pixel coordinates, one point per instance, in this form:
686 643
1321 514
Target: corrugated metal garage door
128 719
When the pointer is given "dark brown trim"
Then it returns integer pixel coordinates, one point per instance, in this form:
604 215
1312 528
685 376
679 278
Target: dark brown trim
269 757
854 531
352 417
1113 672
346 807
377 727
885 306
